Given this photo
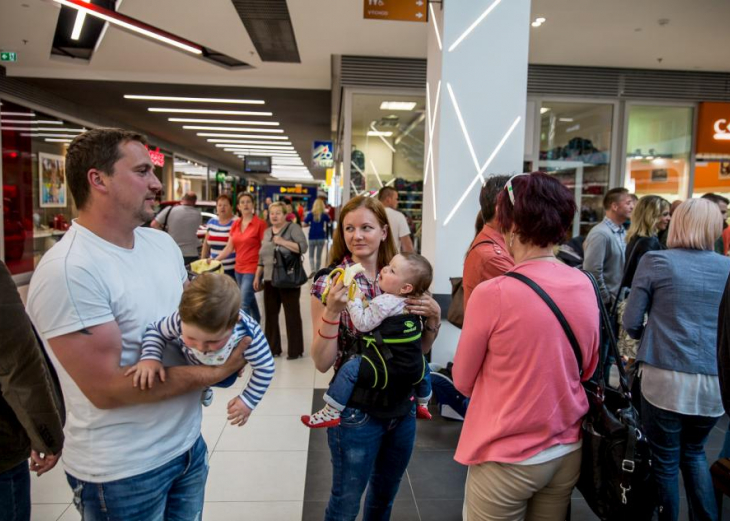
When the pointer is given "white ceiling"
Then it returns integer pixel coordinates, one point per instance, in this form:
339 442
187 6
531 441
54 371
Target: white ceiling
615 33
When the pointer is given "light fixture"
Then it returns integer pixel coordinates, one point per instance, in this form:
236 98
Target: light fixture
235 129
474 25
244 136
372 127
58 140
55 134
210 111
79 23
18 122
543 110
249 149
538 21
19 114
398 105
251 144
379 133
132 25
224 121
194 100
435 26
566 120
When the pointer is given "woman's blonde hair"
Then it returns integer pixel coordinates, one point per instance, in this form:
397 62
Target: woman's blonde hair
317 210
211 302
696 225
339 250
277 205
646 216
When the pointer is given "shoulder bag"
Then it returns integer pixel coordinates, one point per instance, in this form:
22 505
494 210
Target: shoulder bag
455 313
616 478
288 267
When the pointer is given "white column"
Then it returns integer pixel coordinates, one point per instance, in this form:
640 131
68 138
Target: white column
476 92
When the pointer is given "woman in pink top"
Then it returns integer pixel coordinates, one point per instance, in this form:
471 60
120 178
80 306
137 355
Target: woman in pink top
521 435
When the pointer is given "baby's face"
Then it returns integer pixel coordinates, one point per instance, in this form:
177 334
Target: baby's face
204 341
394 277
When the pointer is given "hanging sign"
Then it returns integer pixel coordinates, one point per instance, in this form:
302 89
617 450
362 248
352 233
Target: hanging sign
401 10
323 154
157 157
713 131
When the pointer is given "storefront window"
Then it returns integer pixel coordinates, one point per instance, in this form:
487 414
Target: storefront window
189 177
37 204
387 137
575 144
658 151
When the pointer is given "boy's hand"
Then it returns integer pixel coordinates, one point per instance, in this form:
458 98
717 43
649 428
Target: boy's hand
238 412
145 372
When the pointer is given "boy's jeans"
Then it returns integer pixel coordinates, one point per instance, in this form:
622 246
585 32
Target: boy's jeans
176 490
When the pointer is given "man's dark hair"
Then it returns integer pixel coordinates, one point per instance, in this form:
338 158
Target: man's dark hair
715 198
489 193
614 195
385 192
99 149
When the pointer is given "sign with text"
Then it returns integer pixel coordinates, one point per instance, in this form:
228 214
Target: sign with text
323 154
6 56
402 10
157 157
713 130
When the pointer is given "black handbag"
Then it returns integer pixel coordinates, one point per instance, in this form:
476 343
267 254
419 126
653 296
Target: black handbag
616 477
288 268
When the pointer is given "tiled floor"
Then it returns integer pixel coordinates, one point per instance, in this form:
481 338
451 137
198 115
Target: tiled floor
274 469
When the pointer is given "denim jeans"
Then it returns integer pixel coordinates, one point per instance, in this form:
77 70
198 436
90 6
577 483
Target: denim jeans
372 452
174 491
248 295
15 493
315 254
678 443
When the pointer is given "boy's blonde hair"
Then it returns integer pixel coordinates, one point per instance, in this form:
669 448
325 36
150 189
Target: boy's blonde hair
696 224
421 272
211 302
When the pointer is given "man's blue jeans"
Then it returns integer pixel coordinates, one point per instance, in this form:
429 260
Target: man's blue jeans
174 491
248 295
370 452
678 442
15 493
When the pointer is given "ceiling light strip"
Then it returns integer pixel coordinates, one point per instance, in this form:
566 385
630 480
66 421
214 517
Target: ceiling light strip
209 111
463 129
274 139
224 121
236 129
435 26
79 23
194 100
472 26
132 25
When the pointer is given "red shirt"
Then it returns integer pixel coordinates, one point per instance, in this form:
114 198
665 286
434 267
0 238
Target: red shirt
486 261
247 244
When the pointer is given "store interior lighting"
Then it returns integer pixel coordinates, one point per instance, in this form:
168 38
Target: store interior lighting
19 114
224 121
194 100
236 129
79 23
210 111
538 21
398 105
374 133
275 139
232 142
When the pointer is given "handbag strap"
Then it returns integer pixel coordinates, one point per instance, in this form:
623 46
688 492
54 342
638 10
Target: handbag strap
556 311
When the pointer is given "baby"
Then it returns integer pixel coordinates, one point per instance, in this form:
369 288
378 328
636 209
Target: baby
207 327
407 275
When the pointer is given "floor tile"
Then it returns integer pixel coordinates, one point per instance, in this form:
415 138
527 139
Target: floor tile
71 514
322 380
211 428
441 509
256 476
51 487
253 510
437 434
318 477
285 402
265 433
48 512
435 475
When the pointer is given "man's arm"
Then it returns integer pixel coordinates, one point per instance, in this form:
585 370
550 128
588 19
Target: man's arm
92 357
157 225
594 257
406 244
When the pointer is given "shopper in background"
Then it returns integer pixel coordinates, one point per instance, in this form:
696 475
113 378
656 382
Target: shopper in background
290 216
247 232
300 213
721 203
372 445
681 289
605 246
31 414
289 237
182 222
317 220
521 435
218 233
397 221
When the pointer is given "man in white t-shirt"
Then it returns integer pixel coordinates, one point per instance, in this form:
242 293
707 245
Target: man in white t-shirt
90 298
398 224
182 223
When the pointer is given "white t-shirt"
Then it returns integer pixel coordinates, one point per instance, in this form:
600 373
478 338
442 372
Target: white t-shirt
84 281
398 225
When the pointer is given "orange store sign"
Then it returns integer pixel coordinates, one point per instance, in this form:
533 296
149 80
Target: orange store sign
713 130
403 10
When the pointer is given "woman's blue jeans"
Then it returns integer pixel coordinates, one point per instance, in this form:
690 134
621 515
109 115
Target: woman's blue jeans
176 490
678 443
315 254
248 295
370 452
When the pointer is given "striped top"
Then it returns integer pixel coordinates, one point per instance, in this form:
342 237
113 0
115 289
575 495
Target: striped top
258 354
217 239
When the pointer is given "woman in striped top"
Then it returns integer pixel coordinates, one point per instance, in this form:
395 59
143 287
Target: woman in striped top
207 327
219 230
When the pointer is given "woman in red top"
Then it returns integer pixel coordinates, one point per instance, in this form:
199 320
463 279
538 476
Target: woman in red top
246 236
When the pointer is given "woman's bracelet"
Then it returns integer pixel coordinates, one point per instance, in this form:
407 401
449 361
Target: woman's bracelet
319 332
328 322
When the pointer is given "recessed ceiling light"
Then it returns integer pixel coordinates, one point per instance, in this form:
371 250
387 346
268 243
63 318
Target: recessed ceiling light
18 122
195 100
379 133
241 136
236 129
398 105
243 148
538 22
251 144
224 121
566 120
17 114
543 110
79 23
58 140
210 111
55 134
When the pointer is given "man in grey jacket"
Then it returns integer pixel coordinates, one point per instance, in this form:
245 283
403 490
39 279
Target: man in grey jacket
605 245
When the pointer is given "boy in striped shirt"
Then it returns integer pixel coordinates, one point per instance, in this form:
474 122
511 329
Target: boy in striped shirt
208 325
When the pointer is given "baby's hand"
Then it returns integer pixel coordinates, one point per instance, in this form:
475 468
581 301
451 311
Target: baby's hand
238 412
145 372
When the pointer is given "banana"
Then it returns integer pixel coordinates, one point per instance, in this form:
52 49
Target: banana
348 280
